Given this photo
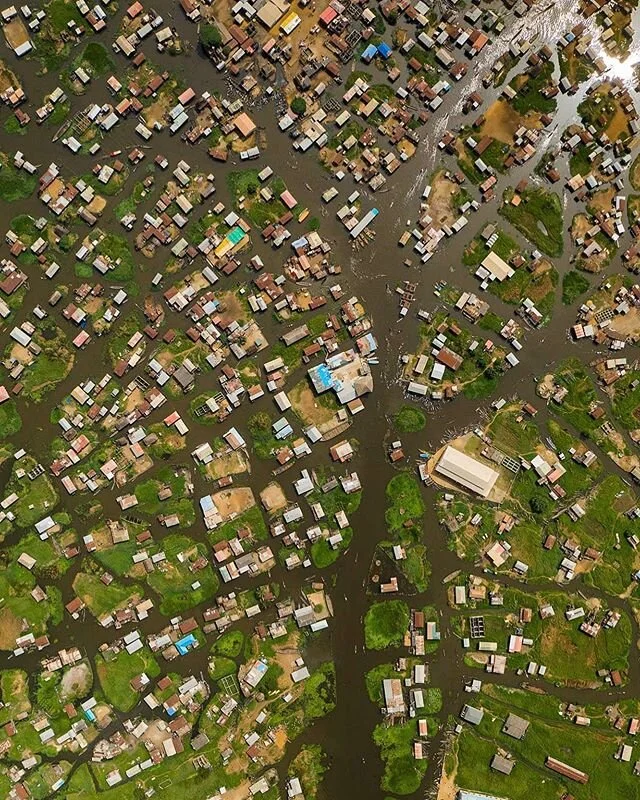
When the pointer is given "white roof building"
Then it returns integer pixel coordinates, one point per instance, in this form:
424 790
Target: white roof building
467 471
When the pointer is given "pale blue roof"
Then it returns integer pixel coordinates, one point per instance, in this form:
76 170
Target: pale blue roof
235 235
463 794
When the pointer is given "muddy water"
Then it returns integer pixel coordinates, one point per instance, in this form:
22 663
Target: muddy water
345 734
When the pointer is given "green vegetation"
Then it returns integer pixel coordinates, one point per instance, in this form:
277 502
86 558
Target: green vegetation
129 203
116 671
529 91
251 518
17 603
477 250
385 624
605 527
10 420
574 66
538 285
95 59
103 600
582 748
264 442
246 184
117 249
220 667
59 114
13 127
230 644
52 42
299 106
14 686
570 655
309 766
625 404
405 502
15 184
402 772
209 35
51 366
323 554
409 419
538 217
179 504
580 401
318 698
243 183
36 498
574 284
579 162
405 509
117 342
174 580
80 784
599 109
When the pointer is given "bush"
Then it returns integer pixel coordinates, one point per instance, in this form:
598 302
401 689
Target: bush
538 504
209 36
298 106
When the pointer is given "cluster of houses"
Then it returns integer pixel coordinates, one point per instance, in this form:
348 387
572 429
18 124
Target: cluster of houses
598 321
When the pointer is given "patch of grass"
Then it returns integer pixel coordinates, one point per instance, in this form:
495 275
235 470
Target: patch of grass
10 420
529 92
404 501
97 58
402 772
15 184
129 203
538 217
14 685
13 127
309 766
103 600
477 250
220 667
251 518
626 401
117 340
548 734
409 420
230 644
59 114
36 498
385 624
579 163
174 581
323 554
51 366
115 674
574 284
264 442
179 503
118 249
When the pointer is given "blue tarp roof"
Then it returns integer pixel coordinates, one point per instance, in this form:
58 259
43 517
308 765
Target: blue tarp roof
384 50
323 376
185 644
